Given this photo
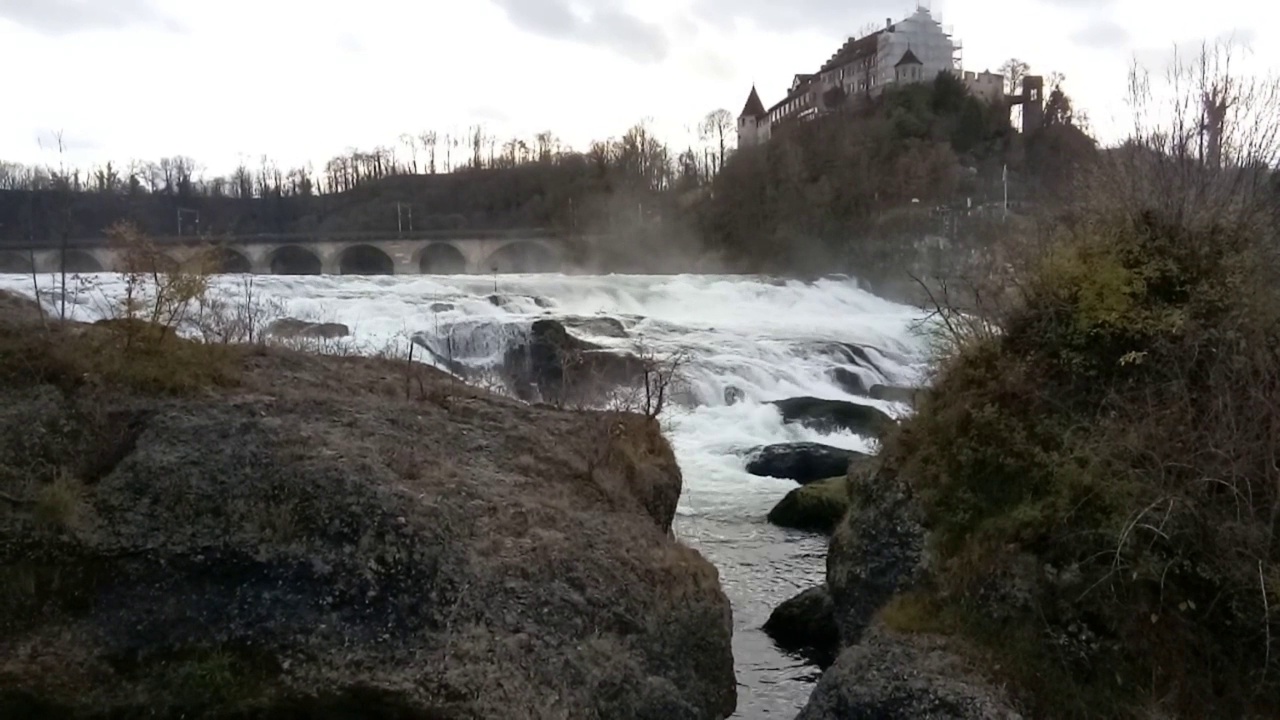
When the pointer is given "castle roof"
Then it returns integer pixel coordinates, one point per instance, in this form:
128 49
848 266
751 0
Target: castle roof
754 108
854 49
908 58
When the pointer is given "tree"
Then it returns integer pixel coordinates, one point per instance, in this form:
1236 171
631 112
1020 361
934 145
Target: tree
715 128
1014 71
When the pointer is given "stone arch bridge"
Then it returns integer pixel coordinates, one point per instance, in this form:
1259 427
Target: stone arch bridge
452 253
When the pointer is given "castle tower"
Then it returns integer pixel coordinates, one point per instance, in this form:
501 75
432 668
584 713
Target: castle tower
1032 103
749 120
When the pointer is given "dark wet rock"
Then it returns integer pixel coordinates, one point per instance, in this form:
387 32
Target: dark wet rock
816 507
598 326
833 415
503 300
294 328
442 307
278 549
557 367
803 462
733 395
849 381
806 625
889 676
895 393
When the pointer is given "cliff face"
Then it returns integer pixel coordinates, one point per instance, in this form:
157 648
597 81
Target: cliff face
332 535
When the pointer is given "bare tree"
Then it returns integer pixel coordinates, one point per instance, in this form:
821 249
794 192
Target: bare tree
715 128
1014 71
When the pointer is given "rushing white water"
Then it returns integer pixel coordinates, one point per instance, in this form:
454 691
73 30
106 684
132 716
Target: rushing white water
769 339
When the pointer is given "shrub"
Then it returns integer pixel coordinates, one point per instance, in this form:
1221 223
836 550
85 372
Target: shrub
1100 475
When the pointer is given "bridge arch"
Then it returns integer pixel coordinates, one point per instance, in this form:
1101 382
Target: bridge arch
294 260
365 260
226 261
78 261
441 259
12 262
523 256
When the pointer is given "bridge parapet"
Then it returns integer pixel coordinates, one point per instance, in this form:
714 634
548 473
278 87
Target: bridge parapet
336 254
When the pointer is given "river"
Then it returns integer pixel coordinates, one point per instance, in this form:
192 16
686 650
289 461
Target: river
770 339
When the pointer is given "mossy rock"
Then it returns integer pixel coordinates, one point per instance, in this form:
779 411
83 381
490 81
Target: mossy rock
817 507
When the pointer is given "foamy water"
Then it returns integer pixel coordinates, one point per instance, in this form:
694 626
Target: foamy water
769 339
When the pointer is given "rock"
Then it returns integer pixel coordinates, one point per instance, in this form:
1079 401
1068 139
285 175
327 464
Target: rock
889 676
806 624
601 326
848 380
817 507
803 462
894 393
878 549
442 307
310 543
501 300
565 369
294 328
733 395
833 415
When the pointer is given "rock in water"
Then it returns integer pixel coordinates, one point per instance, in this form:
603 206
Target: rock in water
806 624
894 393
566 369
294 328
817 507
310 543
803 462
850 381
602 326
733 395
833 415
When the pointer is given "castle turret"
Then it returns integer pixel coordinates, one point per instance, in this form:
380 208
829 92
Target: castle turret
753 113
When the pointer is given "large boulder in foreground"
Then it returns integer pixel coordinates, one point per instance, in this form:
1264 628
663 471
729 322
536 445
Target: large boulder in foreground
320 541
803 462
834 415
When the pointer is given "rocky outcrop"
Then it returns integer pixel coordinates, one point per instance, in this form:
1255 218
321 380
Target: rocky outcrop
806 624
554 366
878 552
817 507
313 543
849 381
895 393
294 328
803 462
834 415
599 326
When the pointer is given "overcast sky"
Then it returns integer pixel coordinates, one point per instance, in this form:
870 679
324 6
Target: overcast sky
301 80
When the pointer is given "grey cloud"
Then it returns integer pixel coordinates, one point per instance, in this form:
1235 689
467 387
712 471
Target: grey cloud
837 15
1102 35
63 17
608 26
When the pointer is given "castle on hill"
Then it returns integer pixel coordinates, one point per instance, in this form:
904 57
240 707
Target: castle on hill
913 50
